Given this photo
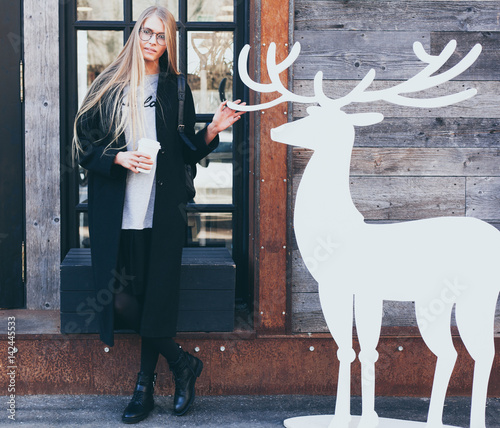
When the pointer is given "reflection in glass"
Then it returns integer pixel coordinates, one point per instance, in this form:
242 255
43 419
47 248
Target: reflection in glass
84 230
210 10
98 10
96 50
210 230
214 177
210 60
214 183
82 185
140 5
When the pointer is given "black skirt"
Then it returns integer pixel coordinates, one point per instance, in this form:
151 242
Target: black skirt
133 260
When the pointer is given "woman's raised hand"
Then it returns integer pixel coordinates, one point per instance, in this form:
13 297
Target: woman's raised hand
133 160
223 118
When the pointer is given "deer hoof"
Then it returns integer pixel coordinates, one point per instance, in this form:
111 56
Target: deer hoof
368 420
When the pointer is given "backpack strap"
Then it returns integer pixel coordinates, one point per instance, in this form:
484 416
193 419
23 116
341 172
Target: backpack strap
181 96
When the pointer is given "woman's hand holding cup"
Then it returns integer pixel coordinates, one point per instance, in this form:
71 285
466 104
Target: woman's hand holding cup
133 160
141 160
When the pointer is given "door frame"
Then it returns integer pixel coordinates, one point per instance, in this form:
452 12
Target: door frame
12 211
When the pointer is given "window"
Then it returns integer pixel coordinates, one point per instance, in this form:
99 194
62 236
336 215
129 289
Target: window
210 33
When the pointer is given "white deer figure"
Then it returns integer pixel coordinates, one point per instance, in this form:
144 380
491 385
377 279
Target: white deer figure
434 262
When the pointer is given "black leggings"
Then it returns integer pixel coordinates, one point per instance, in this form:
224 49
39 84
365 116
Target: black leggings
128 304
128 312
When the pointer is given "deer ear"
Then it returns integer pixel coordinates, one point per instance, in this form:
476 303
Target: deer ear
366 119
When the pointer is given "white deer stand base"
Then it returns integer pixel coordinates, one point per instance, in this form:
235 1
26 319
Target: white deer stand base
438 263
323 421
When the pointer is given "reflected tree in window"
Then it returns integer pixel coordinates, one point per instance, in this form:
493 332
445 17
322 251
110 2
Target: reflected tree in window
210 61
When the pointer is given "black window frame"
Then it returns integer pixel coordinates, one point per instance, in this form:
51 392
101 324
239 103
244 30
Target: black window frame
70 206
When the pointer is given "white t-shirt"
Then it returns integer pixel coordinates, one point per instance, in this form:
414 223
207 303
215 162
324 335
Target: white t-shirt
140 190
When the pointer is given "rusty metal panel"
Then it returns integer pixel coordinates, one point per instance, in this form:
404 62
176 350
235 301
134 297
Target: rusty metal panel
49 366
233 365
272 217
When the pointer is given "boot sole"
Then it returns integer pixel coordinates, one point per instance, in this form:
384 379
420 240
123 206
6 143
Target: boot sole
134 420
199 368
137 419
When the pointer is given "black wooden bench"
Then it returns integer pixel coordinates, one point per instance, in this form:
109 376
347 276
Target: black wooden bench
206 297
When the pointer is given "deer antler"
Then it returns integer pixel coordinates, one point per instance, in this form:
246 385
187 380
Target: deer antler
421 81
274 71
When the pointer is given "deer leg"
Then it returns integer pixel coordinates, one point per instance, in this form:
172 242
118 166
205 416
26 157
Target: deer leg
436 332
337 309
368 324
475 320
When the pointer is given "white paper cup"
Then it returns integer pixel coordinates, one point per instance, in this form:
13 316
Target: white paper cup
150 147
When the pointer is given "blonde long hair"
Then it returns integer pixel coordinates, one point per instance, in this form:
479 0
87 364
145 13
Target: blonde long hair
105 95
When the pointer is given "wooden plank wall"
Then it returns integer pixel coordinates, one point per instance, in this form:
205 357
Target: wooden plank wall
416 163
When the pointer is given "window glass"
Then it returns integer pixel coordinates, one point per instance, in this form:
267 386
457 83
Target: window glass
83 220
210 61
210 230
209 70
210 10
98 10
96 50
140 5
214 177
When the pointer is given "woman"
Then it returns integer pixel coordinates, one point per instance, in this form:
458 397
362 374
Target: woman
137 220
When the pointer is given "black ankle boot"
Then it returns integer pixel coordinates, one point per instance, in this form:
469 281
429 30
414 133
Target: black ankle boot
186 369
142 401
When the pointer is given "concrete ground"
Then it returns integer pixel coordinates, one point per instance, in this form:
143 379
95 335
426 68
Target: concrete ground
223 411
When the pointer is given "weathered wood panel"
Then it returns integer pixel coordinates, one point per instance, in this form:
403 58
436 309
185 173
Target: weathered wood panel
304 275
418 162
484 105
351 54
302 280
307 314
483 197
430 132
406 15
486 67
308 317
395 161
405 198
41 72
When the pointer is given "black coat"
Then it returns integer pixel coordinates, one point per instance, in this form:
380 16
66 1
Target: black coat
106 194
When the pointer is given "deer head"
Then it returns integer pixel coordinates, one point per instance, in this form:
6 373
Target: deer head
329 114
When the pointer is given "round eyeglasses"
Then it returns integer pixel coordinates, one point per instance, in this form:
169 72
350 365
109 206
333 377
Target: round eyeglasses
145 35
